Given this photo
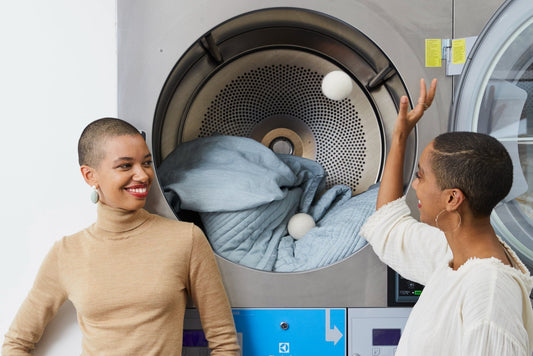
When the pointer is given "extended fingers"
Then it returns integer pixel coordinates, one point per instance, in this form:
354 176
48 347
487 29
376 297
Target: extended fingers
421 103
426 97
423 91
431 93
404 107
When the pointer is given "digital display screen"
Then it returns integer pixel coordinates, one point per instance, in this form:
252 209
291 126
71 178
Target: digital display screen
194 338
386 337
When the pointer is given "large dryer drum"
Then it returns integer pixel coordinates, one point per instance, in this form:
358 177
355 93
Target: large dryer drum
259 75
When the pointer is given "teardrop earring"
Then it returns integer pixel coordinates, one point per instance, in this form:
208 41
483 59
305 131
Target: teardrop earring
94 195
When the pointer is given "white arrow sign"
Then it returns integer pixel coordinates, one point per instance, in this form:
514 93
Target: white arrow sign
332 334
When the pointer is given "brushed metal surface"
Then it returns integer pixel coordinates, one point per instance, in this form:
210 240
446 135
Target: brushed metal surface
153 36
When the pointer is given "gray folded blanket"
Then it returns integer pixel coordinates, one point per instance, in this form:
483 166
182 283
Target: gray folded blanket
245 195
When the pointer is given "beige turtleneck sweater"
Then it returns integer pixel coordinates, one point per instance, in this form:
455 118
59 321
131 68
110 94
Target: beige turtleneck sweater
128 275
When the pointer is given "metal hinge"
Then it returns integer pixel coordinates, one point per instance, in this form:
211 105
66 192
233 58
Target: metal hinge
453 51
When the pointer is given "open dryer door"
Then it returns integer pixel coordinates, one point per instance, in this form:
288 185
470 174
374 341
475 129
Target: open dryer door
495 96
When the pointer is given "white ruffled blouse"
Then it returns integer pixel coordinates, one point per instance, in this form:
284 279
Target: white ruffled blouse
483 308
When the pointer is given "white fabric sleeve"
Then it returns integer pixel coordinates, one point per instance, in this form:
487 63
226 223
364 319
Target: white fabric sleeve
492 313
489 339
411 248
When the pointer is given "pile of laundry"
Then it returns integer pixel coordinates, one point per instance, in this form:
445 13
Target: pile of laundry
245 195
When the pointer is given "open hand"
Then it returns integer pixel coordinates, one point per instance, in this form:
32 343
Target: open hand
406 121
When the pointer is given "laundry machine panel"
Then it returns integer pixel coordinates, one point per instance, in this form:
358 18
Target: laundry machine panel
174 58
375 331
463 23
308 331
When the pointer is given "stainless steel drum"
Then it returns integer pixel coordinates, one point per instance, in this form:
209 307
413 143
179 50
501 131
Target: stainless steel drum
185 74
259 75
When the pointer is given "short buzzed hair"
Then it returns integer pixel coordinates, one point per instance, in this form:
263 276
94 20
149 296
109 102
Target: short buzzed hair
91 139
477 164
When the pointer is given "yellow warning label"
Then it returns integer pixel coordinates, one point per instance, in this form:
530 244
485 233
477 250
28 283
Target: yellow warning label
433 52
458 51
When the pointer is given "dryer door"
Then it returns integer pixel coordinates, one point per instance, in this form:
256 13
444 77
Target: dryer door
495 96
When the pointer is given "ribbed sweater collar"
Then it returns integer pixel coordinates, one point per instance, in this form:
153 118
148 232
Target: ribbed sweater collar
112 223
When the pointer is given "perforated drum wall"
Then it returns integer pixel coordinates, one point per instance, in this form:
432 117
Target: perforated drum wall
254 98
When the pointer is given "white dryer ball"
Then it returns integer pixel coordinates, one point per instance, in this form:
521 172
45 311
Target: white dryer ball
337 85
300 224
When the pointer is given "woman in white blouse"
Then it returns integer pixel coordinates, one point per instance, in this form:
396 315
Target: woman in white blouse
476 295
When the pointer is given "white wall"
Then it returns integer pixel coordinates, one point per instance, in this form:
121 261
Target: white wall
57 74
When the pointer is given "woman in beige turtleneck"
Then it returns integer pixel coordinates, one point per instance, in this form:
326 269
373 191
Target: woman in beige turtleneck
129 274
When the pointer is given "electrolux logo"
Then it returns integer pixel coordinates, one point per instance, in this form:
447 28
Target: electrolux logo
284 348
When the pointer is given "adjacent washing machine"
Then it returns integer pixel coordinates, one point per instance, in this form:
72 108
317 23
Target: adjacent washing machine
254 69
495 96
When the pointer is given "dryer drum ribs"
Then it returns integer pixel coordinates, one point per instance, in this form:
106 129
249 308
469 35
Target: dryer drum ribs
259 76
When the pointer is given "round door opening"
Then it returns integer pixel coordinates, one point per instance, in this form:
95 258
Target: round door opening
500 77
244 137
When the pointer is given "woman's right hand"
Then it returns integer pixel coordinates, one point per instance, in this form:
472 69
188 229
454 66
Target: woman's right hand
391 187
407 120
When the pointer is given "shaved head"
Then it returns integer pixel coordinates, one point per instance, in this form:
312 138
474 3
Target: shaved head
90 144
476 163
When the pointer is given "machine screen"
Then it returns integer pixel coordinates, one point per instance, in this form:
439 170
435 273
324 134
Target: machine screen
386 337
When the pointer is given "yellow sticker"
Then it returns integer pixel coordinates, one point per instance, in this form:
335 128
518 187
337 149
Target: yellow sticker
433 52
458 51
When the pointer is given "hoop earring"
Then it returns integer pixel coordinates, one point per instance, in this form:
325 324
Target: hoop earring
439 214
94 195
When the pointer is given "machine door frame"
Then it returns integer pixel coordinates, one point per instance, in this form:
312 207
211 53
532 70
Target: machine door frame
489 84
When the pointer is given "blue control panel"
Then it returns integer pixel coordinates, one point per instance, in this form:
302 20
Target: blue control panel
291 332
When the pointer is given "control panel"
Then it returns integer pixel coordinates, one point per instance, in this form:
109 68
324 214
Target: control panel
375 331
307 331
401 292
291 332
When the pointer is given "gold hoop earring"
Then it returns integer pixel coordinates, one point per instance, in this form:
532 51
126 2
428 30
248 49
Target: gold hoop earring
437 220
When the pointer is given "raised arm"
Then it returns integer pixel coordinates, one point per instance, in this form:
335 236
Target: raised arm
391 187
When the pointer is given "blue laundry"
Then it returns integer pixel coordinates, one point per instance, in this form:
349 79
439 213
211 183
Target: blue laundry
336 235
245 194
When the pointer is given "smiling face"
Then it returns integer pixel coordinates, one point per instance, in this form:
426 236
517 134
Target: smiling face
428 192
125 174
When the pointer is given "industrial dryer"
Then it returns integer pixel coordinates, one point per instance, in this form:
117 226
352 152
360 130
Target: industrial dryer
183 65
169 74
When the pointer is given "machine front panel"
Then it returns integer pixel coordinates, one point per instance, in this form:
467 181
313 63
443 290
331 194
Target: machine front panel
286 332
